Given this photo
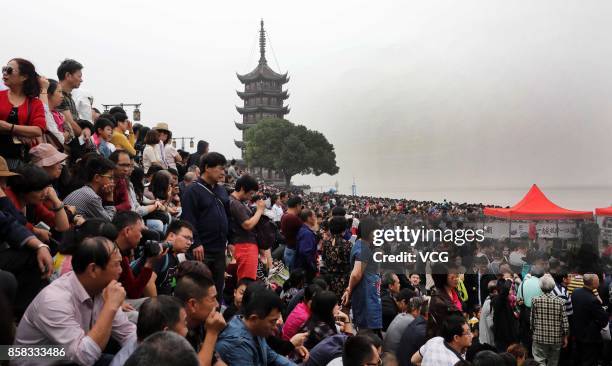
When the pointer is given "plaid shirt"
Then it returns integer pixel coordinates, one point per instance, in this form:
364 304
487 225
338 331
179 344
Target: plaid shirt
548 319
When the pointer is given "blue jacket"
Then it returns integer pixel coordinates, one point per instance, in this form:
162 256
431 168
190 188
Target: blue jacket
237 346
12 229
207 208
305 249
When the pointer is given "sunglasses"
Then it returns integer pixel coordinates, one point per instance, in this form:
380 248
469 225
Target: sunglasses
7 70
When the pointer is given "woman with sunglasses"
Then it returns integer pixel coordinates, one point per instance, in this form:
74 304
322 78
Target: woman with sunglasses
22 114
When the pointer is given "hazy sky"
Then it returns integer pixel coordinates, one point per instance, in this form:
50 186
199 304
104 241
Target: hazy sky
415 95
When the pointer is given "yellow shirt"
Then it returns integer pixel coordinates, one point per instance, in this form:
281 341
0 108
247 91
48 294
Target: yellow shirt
122 143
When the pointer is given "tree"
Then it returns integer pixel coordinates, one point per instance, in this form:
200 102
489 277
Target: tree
278 144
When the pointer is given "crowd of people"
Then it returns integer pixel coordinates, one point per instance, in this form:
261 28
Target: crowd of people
125 251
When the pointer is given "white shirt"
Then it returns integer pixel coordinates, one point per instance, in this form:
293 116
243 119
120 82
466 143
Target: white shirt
278 212
83 100
436 353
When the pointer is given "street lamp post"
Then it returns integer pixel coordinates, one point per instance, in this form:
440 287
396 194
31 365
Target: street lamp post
136 113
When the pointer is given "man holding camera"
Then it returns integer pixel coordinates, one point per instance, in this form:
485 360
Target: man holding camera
179 238
129 227
243 224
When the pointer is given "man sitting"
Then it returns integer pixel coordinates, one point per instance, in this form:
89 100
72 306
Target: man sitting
163 349
448 349
82 309
180 236
96 198
243 342
199 296
156 314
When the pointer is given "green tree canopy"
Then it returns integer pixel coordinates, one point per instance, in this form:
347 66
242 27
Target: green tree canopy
278 144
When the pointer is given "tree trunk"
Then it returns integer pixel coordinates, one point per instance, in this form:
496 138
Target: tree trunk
287 180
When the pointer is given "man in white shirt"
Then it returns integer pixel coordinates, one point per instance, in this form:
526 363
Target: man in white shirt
448 349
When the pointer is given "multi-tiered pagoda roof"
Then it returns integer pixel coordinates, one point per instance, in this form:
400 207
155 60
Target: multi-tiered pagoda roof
263 94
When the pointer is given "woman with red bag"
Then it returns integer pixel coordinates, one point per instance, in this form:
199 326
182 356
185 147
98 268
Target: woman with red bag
22 114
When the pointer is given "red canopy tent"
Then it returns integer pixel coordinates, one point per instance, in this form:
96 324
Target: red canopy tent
606 211
536 206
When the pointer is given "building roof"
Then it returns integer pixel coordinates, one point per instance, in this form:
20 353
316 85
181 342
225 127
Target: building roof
263 108
240 144
243 126
262 71
268 93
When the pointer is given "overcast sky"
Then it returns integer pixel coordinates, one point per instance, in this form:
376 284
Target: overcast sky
415 95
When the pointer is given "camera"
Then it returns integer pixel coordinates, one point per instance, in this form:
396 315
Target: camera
152 248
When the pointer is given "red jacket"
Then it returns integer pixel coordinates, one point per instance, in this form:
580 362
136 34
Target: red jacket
134 286
37 113
121 196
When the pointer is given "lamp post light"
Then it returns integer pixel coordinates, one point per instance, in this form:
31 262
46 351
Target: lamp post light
135 114
183 142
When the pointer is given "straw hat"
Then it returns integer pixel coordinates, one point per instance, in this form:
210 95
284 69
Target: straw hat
4 170
161 126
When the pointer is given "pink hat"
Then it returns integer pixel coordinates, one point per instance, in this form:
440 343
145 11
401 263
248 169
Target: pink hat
46 155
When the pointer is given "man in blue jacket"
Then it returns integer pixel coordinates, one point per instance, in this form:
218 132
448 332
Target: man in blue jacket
206 207
243 341
306 244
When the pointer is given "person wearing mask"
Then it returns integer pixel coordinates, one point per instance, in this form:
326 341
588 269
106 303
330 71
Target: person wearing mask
306 245
447 349
243 342
82 309
549 324
161 313
244 237
206 207
589 319
290 225
22 114
199 297
95 199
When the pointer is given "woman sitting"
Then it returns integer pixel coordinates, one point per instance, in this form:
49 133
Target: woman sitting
322 322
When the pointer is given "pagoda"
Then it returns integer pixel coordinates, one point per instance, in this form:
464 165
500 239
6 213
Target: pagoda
263 94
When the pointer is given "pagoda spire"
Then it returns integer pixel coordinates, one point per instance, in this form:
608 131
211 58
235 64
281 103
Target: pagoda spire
262 45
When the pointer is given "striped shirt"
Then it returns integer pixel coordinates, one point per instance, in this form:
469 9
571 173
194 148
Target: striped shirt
577 281
89 204
561 292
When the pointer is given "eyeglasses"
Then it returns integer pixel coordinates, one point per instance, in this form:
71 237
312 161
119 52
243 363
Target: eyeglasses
111 177
7 70
126 165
